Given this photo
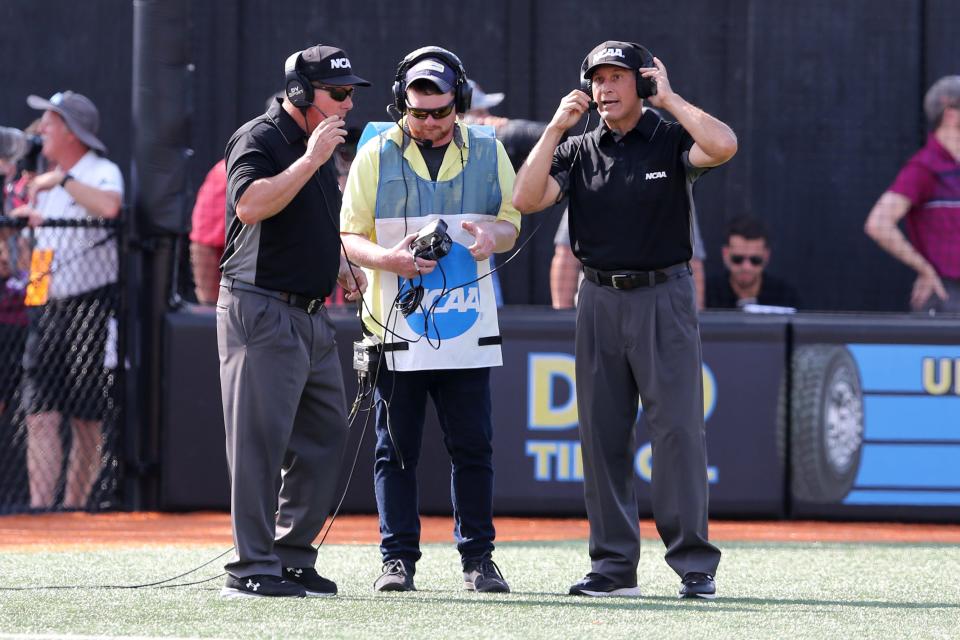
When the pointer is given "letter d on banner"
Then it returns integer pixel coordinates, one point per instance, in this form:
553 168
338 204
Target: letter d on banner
544 372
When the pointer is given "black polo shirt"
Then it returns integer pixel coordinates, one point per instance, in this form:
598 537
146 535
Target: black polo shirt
298 249
631 199
773 291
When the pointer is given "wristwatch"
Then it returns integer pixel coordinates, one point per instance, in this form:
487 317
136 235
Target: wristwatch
66 178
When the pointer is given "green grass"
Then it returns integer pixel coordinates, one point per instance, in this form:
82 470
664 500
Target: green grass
831 591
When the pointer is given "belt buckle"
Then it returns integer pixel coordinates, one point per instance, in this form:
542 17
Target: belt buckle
313 305
619 278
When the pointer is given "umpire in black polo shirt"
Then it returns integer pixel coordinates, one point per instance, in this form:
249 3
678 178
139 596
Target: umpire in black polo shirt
630 187
283 399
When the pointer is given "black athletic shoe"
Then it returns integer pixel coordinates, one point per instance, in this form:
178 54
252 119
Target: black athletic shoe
314 583
596 585
395 577
261 586
698 585
484 577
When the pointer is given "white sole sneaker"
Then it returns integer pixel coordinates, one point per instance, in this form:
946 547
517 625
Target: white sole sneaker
623 592
236 594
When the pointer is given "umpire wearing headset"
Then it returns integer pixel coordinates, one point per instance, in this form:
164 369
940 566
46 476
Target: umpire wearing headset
432 167
630 186
283 400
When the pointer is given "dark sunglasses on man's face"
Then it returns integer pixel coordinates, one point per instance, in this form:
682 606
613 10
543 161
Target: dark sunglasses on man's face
754 260
339 94
438 114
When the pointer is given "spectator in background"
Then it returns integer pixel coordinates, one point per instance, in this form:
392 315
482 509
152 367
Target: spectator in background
746 255
565 271
517 137
13 324
927 193
208 233
72 331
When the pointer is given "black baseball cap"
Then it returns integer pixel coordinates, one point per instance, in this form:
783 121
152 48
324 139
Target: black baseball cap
615 52
329 65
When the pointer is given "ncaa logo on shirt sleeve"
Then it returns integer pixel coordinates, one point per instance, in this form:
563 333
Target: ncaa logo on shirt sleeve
454 313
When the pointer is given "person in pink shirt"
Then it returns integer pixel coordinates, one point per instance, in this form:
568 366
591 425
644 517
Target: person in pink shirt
927 193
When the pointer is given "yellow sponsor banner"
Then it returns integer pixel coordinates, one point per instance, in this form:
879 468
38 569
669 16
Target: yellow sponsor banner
38 289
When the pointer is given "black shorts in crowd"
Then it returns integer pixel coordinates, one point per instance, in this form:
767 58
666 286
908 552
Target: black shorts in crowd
64 360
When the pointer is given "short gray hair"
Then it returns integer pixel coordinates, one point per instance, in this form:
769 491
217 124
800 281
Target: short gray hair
944 93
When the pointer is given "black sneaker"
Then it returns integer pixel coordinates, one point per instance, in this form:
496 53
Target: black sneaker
261 586
395 577
698 585
484 577
596 585
314 583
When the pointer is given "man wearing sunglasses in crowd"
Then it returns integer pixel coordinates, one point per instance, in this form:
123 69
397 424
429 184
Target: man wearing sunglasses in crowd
427 167
746 255
283 399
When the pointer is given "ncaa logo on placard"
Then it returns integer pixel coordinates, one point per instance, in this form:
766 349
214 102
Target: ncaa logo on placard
454 313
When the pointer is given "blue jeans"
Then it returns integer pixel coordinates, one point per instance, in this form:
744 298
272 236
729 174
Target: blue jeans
462 400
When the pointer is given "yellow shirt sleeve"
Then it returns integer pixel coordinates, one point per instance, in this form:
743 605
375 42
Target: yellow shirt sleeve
506 176
360 193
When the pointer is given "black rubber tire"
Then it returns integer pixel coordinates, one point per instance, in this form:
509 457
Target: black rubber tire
827 423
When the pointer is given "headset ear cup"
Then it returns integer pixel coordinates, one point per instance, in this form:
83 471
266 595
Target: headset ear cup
463 97
400 96
296 86
646 87
298 93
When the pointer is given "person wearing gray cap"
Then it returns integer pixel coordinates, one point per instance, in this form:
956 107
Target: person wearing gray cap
281 384
926 196
432 317
79 282
630 188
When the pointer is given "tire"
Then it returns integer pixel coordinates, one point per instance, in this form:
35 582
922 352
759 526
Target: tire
826 437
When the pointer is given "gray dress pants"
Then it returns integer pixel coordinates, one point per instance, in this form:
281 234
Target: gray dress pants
285 416
642 343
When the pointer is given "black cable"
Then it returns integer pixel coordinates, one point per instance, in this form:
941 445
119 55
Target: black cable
125 586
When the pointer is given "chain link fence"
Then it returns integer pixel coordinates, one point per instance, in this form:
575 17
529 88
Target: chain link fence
60 365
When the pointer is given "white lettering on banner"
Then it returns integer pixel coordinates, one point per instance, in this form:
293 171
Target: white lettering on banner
608 53
456 301
653 175
339 63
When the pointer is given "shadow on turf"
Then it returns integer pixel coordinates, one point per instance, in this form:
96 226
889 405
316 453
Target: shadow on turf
553 599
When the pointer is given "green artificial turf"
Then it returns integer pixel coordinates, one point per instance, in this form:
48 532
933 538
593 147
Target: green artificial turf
823 591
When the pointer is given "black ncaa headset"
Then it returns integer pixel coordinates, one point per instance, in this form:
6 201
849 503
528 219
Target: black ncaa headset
296 85
462 91
646 87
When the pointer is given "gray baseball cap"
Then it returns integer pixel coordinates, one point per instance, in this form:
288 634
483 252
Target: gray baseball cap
483 100
78 112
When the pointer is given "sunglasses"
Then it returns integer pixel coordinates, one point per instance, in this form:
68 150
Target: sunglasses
338 94
438 114
754 260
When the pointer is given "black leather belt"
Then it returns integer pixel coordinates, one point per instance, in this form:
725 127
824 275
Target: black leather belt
626 280
310 305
